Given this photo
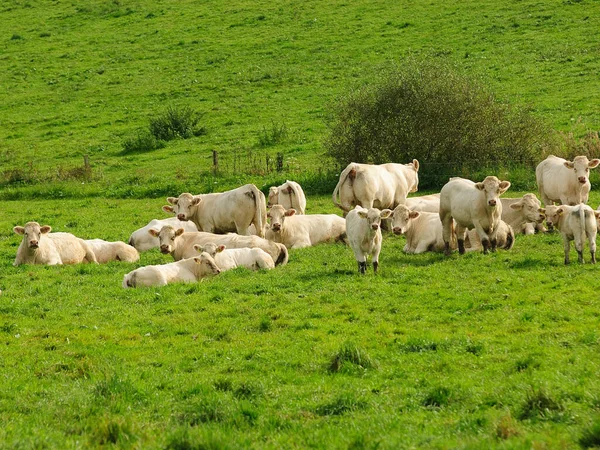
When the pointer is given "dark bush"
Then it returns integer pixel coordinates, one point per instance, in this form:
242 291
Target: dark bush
430 111
176 123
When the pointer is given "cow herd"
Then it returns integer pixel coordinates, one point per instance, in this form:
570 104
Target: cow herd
210 233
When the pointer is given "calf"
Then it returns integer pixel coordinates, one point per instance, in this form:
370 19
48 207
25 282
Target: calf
472 205
423 230
185 271
142 240
112 251
575 223
364 234
524 214
289 195
39 246
250 258
303 230
180 244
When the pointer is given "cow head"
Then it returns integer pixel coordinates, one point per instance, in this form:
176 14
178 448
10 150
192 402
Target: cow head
273 196
415 186
492 187
183 206
206 265
211 248
32 233
531 208
581 165
166 237
553 214
597 214
373 216
401 219
277 215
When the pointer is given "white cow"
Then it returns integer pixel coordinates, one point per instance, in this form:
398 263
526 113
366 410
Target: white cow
575 223
505 238
180 244
188 270
227 259
564 182
289 195
303 230
364 234
423 230
112 251
142 240
223 212
523 214
425 203
39 246
472 205
379 186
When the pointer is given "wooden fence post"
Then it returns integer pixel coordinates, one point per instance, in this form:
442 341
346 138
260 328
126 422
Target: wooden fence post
215 161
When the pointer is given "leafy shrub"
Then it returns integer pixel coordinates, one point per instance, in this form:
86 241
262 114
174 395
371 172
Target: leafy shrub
176 123
430 111
143 141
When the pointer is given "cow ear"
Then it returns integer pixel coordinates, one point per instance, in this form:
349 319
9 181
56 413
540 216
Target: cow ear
597 214
220 248
479 186
593 163
197 260
362 214
416 164
45 229
559 211
198 248
195 201
504 185
518 206
172 200
153 232
385 213
290 212
542 210
19 230
179 232
273 190
167 208
413 214
569 164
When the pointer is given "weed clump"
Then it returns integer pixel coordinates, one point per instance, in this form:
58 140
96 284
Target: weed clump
143 141
539 404
176 123
591 437
340 405
352 354
275 135
437 397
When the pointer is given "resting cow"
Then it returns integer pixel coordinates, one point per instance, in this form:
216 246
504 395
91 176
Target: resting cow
224 212
472 205
142 240
424 203
524 214
379 186
39 246
564 182
423 230
227 259
289 195
303 230
112 251
364 234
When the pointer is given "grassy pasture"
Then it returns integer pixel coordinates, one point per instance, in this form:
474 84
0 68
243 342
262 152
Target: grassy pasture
496 351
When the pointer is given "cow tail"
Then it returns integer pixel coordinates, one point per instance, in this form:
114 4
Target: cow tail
343 177
260 211
282 259
582 219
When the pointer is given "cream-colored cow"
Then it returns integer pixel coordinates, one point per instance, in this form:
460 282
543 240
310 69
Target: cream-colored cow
188 270
142 240
363 227
39 246
423 230
227 259
289 195
575 223
472 205
112 251
425 203
523 214
303 230
564 182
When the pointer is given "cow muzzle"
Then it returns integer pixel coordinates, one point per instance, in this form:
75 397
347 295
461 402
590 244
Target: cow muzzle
182 217
582 180
34 244
276 227
375 226
397 230
164 249
492 202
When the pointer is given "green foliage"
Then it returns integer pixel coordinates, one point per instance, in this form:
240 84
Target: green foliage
275 135
429 110
591 436
539 404
176 123
143 141
351 353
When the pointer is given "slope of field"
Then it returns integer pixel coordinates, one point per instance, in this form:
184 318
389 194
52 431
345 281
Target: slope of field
78 78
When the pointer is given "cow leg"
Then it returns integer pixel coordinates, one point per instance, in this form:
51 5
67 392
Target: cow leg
486 246
567 247
592 242
460 239
375 266
362 267
446 219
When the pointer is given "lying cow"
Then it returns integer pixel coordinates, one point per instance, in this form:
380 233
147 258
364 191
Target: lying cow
180 244
303 230
364 234
524 214
224 212
379 186
564 182
39 246
425 203
575 223
112 251
227 259
289 195
505 238
188 270
472 205
142 240
423 230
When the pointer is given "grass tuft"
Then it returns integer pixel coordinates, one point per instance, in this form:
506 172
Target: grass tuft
176 123
506 427
591 437
340 405
539 404
351 353
439 396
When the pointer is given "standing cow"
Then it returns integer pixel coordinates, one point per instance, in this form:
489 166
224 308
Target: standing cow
363 227
375 186
564 182
289 195
224 212
472 205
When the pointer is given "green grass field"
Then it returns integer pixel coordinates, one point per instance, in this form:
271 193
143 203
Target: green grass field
479 351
